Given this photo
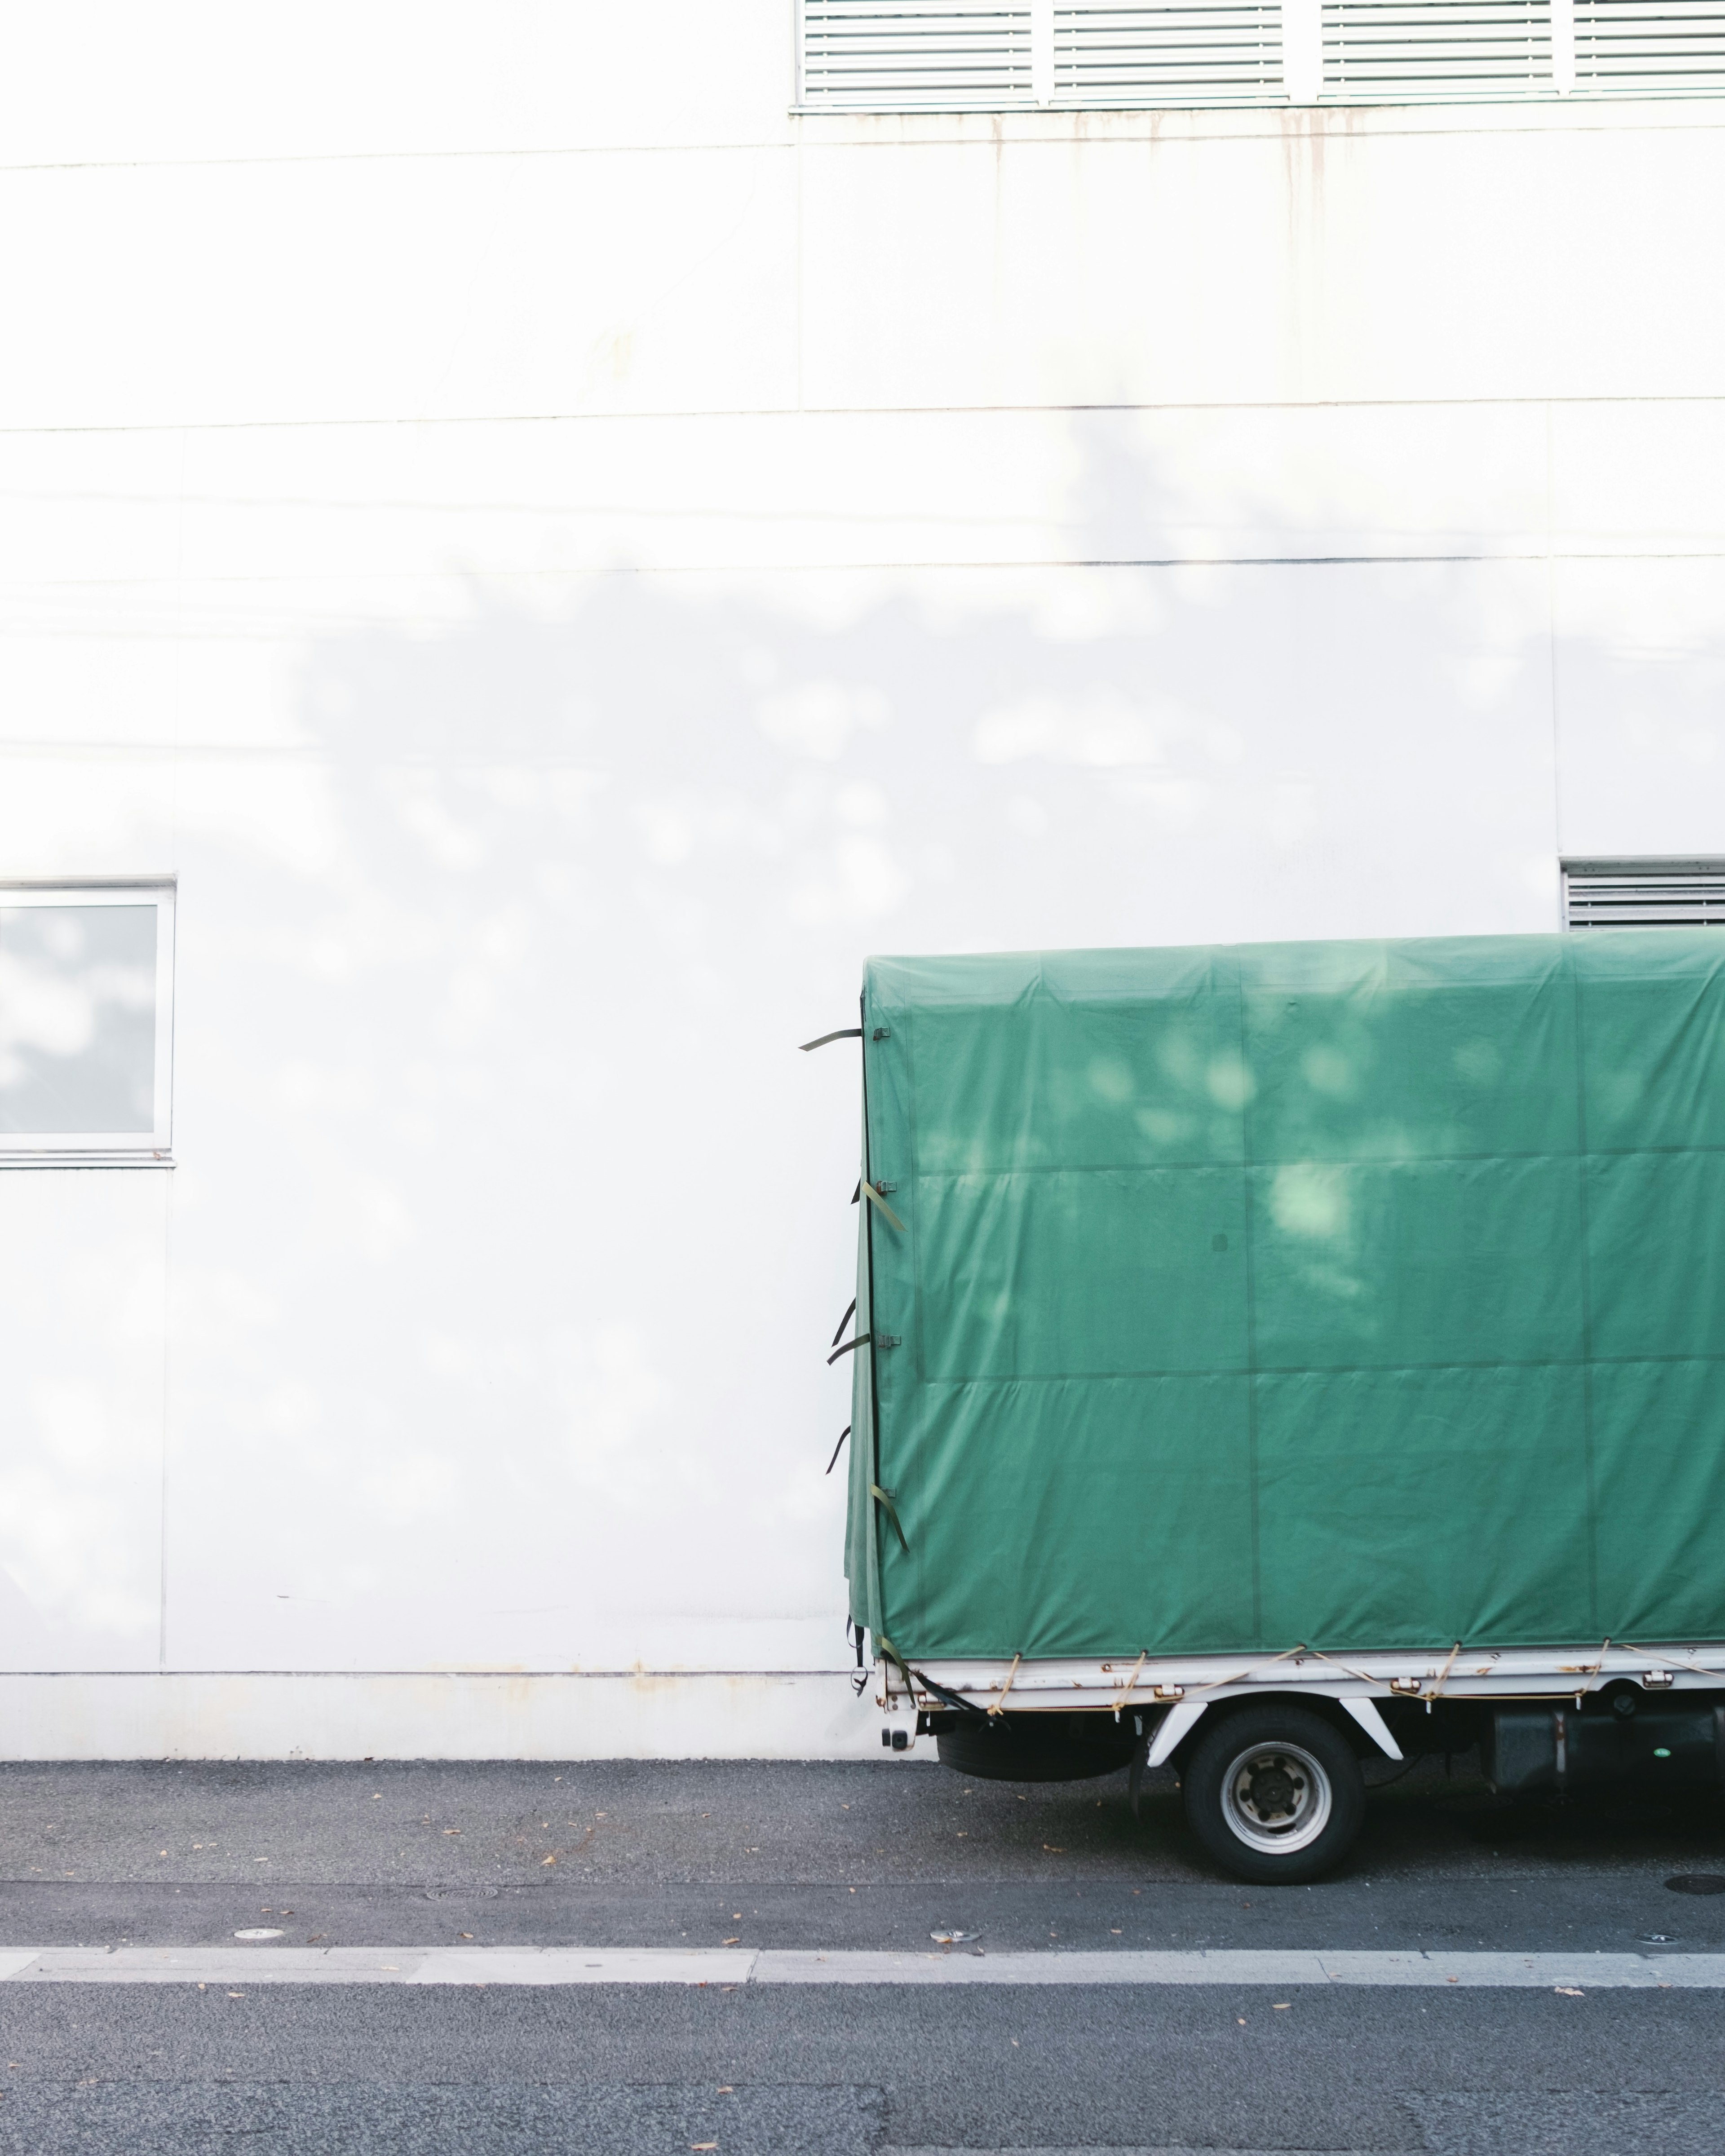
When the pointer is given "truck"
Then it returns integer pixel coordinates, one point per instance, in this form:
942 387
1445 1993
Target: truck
1272 1357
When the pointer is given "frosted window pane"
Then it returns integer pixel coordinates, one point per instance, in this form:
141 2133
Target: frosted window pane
77 1019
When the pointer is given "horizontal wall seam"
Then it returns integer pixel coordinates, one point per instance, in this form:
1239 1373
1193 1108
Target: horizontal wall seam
293 627
510 1674
1577 114
797 414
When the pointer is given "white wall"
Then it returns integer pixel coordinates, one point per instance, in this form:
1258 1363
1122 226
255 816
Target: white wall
562 558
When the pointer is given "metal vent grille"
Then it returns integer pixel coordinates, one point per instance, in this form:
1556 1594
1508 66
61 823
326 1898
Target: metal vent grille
1648 48
1202 54
1392 51
875 55
1644 894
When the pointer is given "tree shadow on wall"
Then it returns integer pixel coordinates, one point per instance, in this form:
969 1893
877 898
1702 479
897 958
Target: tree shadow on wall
567 1209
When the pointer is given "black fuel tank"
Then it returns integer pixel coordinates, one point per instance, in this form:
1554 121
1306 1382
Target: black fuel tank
1529 1748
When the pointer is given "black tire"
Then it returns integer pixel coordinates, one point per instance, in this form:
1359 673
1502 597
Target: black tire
1274 1793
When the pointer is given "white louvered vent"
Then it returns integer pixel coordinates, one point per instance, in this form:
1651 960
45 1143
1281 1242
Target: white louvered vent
1388 51
1648 48
883 55
1644 894
1001 56
1200 54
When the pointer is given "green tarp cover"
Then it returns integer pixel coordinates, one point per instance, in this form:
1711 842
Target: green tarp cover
1349 1295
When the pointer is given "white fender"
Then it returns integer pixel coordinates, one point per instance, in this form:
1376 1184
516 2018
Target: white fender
1172 1728
1365 1713
1180 1720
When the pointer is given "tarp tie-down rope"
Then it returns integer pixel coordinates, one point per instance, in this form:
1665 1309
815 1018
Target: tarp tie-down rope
1443 1677
1130 1682
861 1340
874 1197
1590 1677
844 1033
1365 1676
844 1321
1242 1676
1216 1684
1592 1674
837 1448
880 1497
1700 1669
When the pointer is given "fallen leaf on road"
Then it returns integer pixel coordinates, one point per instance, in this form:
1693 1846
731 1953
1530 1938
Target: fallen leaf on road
1568 1991
544 1861
1054 1848
733 1943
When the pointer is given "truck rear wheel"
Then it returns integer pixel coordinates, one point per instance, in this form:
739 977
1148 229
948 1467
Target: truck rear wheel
1274 1793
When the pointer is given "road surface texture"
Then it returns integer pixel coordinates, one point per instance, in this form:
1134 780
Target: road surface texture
747 1862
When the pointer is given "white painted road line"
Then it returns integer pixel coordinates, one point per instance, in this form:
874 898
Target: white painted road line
1267 1966
272 1964
242 1969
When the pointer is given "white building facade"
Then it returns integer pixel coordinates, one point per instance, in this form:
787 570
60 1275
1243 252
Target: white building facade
535 536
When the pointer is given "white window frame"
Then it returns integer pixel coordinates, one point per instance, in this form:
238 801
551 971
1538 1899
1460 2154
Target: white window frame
117 1148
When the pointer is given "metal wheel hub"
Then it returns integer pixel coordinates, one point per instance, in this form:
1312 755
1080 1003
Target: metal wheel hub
1276 1798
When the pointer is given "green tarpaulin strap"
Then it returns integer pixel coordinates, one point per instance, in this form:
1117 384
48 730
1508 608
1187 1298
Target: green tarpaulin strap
837 1448
844 1033
949 1698
861 1340
897 1659
874 1197
880 1497
843 1322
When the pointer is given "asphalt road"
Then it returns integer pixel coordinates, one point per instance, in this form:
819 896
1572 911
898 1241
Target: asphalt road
842 1856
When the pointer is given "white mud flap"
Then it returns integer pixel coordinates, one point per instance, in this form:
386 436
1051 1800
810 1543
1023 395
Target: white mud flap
1365 1713
1172 1728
